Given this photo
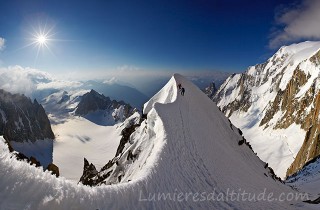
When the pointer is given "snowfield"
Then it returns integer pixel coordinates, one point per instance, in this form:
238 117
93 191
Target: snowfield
195 161
78 138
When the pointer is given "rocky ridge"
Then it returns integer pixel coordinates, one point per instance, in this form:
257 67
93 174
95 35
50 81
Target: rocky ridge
23 120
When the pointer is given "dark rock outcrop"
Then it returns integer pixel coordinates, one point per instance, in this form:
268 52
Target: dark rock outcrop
22 120
242 141
316 58
126 133
316 201
54 169
33 161
90 175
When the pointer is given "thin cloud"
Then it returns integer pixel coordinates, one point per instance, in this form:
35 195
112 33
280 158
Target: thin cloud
111 81
126 68
297 22
2 43
59 85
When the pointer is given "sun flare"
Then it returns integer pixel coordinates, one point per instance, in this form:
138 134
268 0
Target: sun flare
42 39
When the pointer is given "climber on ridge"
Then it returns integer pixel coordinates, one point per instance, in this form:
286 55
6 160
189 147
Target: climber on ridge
182 91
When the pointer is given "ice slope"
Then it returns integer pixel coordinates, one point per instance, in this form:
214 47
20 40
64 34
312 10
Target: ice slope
199 154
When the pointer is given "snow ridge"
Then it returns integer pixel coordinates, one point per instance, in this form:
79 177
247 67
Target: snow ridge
193 150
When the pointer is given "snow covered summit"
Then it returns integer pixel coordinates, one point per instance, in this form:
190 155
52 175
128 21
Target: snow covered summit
276 104
184 155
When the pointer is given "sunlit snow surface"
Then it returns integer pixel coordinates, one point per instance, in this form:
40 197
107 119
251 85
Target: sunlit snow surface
194 151
78 138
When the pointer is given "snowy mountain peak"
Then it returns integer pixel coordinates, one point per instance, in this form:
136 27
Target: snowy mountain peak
277 98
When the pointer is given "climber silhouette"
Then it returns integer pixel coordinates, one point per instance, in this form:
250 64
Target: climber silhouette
182 91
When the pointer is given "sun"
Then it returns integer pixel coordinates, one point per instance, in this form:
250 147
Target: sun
42 39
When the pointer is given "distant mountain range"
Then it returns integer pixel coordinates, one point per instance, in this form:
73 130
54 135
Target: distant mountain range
118 92
38 84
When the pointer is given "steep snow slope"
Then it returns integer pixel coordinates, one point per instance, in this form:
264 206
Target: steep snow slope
274 103
195 153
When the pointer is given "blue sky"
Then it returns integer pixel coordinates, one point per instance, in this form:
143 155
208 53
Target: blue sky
106 35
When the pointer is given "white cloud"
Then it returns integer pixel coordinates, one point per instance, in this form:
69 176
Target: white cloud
59 84
297 22
111 81
16 79
27 81
2 43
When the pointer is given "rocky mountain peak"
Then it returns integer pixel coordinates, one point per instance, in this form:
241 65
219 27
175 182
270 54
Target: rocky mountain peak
93 101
